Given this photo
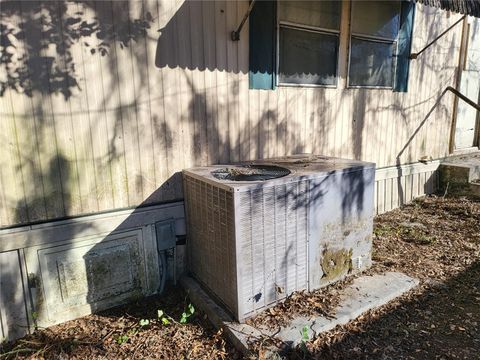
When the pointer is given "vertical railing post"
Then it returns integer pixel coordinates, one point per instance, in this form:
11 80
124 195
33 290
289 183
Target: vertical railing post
458 81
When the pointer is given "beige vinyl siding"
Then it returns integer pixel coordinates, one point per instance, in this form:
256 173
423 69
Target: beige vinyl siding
131 125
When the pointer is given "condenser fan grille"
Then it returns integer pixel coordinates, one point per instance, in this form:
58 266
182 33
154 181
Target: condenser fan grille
250 173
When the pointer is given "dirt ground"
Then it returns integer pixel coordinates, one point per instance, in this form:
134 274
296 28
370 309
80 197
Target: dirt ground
434 239
437 241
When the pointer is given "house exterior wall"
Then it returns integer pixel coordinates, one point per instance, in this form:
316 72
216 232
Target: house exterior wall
138 107
58 271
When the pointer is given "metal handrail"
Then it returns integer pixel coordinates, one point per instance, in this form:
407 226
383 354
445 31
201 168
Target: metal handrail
451 144
463 97
415 55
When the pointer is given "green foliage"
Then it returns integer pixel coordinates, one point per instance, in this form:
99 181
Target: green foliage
383 230
304 333
305 338
121 339
34 315
187 313
144 322
412 233
166 319
163 317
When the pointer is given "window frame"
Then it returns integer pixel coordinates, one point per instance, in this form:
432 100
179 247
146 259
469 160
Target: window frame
308 28
375 39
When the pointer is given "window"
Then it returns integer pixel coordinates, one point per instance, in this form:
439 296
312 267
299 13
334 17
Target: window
297 43
375 27
308 42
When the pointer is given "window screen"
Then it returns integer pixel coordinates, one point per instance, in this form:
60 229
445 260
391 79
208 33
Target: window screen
376 18
308 42
371 63
307 57
375 26
321 14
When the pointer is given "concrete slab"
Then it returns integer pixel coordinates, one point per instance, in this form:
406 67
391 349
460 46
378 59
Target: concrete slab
364 294
460 175
460 169
471 159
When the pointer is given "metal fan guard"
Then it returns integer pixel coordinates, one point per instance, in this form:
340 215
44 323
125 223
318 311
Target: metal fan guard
250 173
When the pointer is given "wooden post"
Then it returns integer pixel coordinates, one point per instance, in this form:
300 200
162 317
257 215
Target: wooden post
461 62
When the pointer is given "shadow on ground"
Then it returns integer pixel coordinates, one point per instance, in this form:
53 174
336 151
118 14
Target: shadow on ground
443 322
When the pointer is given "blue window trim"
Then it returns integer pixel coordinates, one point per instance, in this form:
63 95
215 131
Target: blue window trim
262 38
404 47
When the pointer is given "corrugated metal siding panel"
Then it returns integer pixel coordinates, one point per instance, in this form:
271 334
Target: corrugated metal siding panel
145 110
396 186
470 7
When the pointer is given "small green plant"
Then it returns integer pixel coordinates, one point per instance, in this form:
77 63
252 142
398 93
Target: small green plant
133 331
121 339
34 315
305 338
144 322
187 313
304 333
163 317
166 319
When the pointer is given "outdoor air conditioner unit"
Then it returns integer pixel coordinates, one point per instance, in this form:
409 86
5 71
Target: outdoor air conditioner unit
260 230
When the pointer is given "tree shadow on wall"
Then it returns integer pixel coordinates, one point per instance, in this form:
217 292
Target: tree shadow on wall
45 24
36 39
21 285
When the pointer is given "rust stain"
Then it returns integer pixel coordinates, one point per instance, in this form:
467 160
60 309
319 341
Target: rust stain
336 263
